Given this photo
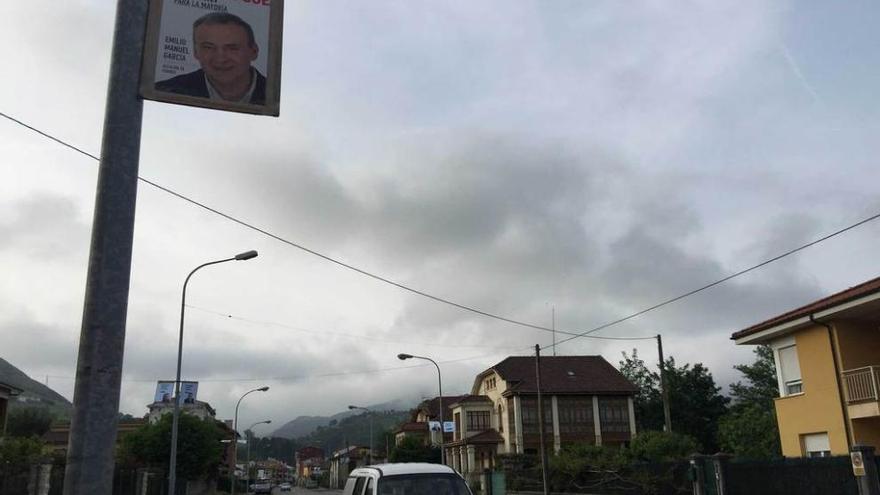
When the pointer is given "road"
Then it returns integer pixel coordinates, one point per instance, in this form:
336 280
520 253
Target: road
303 491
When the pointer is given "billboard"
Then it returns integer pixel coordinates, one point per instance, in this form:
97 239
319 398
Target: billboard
220 54
189 391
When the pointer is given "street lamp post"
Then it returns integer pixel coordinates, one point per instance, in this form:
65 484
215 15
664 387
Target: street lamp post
234 434
371 428
172 463
247 469
404 357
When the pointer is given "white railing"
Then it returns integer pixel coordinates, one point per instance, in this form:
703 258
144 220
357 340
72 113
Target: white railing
861 384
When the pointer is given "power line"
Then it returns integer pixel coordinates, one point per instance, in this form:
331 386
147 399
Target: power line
573 335
321 255
342 334
725 279
308 377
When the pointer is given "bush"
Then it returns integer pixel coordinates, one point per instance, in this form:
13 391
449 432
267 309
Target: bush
660 446
21 451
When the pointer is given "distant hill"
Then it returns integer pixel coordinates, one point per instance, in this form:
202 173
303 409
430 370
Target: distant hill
304 426
35 393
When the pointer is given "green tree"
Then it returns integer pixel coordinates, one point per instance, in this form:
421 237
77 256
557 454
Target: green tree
695 403
749 429
412 449
198 452
28 422
662 446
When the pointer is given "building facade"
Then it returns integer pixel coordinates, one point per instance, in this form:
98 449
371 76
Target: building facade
585 400
827 356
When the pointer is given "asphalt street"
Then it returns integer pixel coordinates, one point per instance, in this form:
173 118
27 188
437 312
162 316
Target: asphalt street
304 491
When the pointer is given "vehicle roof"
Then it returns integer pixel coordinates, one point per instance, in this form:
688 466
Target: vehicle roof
403 468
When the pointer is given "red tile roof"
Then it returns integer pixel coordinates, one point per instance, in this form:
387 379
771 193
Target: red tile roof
413 426
861 290
432 406
484 437
564 375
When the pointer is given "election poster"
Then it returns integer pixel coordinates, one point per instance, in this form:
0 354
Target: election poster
189 391
220 54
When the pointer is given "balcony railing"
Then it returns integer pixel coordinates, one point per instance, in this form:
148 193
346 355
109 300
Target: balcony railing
862 384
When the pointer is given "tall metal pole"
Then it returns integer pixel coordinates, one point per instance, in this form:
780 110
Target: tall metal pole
89 468
442 424
172 463
248 438
440 387
235 437
554 329
664 387
541 419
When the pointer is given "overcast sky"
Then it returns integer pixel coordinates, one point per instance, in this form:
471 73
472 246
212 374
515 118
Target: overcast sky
596 157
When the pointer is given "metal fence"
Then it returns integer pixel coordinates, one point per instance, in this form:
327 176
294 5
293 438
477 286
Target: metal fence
14 480
801 476
861 383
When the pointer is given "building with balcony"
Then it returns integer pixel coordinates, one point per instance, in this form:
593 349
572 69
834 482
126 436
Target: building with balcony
827 356
6 392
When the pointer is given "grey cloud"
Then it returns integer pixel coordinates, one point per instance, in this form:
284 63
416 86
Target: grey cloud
44 226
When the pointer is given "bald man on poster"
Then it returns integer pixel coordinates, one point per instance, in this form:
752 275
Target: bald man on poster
225 47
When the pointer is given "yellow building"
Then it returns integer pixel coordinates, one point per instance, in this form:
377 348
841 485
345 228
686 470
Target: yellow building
827 356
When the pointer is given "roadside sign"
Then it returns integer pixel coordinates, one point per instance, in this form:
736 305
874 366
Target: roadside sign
220 54
448 427
858 463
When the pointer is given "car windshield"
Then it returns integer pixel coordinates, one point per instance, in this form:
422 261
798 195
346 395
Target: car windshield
423 484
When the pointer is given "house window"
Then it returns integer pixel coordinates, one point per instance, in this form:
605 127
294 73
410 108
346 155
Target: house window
816 445
490 383
530 415
478 420
790 371
575 415
500 418
511 418
614 414
457 419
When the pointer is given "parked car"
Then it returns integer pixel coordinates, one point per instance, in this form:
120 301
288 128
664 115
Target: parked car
406 478
285 487
262 486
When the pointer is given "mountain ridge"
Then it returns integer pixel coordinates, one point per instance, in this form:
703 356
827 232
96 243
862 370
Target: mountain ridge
34 394
302 426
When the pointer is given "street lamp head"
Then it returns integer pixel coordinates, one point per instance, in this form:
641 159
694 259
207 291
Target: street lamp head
403 357
352 407
246 255
263 389
268 421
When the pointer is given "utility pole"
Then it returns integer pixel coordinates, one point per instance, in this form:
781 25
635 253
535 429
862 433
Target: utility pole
553 320
92 443
664 387
541 419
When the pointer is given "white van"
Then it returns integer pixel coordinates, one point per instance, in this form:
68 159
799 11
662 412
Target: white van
406 478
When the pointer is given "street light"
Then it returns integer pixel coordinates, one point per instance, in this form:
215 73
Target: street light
404 357
371 428
235 432
247 469
172 464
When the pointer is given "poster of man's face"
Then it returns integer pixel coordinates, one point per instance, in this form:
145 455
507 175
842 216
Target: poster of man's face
222 54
